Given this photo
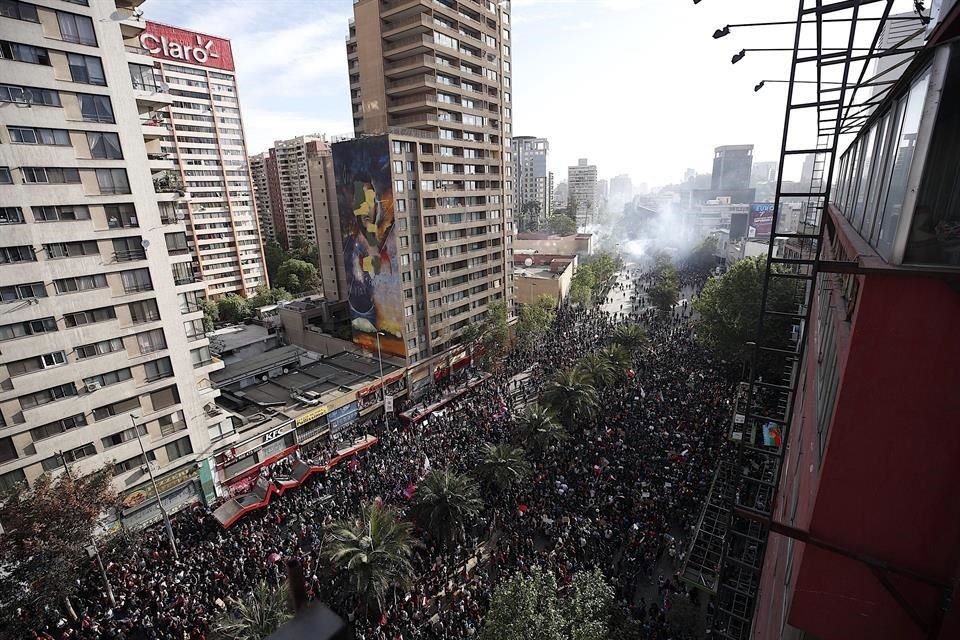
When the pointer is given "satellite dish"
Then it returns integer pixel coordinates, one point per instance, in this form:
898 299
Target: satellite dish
528 262
144 243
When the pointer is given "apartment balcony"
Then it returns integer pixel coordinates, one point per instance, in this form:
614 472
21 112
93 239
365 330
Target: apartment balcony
396 9
131 22
152 96
168 182
421 43
161 162
137 54
417 64
405 26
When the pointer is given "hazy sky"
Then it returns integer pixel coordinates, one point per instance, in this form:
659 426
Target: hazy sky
636 86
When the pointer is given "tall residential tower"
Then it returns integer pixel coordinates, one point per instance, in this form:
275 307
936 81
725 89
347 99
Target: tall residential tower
532 180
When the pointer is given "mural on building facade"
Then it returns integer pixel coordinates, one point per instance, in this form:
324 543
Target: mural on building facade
365 202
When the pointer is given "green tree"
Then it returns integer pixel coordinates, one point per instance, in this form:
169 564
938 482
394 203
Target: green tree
530 216
232 309
561 224
571 396
264 296
536 318
664 293
532 607
297 276
445 501
538 427
494 333
211 314
595 369
256 615
703 258
628 336
728 309
618 358
273 255
373 551
46 530
583 284
502 466
301 249
603 266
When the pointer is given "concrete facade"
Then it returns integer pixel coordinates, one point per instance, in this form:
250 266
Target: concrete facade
582 191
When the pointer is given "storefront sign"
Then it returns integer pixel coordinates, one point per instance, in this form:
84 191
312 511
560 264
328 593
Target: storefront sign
313 414
139 495
171 43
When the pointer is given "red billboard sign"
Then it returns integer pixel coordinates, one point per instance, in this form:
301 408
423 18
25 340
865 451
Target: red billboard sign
180 45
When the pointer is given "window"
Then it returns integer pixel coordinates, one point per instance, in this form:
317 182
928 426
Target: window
27 328
91 316
56 461
182 273
177 243
398 166
143 78
74 28
17 477
136 280
86 69
11 215
157 369
398 186
164 398
93 108
63 213
133 463
35 135
121 215
24 53
170 424
179 448
22 291
29 95
71 249
11 255
50 175
113 181
36 363
128 249
104 146
48 395
18 11
150 341
57 427
144 311
5 176
95 349
116 408
124 436
190 301
401 205
80 283
200 356
108 378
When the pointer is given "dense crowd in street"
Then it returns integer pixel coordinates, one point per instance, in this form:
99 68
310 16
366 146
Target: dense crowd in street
620 495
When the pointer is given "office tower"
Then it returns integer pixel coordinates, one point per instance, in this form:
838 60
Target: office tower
582 191
430 87
293 183
532 180
100 325
732 167
621 189
201 135
260 166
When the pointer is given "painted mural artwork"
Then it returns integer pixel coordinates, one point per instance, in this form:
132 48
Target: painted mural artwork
372 265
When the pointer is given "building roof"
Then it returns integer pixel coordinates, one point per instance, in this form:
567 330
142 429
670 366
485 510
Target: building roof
239 335
254 364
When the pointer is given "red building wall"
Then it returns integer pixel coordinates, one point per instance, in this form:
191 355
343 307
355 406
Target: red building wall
887 483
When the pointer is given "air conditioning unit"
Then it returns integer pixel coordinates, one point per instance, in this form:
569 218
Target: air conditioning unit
93 386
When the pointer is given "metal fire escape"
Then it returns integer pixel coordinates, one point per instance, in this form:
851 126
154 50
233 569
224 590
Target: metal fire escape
825 100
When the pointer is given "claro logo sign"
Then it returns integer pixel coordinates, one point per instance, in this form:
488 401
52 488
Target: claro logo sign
170 43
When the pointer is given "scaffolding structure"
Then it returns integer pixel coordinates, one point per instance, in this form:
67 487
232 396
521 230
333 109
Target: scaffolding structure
831 92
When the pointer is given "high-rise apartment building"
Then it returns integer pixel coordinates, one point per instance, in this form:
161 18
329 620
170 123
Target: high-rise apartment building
100 325
621 189
732 167
427 207
582 191
202 141
293 183
532 181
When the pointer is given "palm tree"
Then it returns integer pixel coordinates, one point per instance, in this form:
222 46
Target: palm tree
445 501
539 427
596 369
629 336
503 465
571 396
374 551
618 358
255 616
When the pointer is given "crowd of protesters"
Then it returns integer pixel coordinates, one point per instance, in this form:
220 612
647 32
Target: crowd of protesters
620 495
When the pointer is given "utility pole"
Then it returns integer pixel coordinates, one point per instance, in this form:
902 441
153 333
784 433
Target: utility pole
93 541
156 490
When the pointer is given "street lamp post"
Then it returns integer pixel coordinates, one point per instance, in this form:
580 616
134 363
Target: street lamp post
383 388
156 490
93 541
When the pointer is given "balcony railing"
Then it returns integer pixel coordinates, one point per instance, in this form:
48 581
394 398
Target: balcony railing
168 183
129 255
137 288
